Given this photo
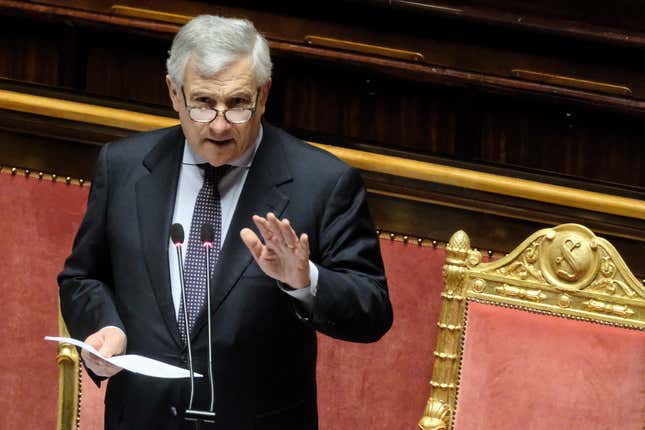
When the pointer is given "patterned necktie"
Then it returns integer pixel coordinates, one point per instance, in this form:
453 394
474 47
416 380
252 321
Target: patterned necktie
207 210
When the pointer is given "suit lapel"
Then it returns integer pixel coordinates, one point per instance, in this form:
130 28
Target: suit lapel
261 193
155 194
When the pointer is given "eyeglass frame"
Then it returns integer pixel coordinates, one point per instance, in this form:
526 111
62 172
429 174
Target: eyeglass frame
222 111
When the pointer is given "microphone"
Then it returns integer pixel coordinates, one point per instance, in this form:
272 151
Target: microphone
177 237
177 234
207 237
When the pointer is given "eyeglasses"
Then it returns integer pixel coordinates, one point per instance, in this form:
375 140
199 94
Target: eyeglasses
236 115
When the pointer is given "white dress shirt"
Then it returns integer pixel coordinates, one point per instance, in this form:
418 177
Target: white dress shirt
191 178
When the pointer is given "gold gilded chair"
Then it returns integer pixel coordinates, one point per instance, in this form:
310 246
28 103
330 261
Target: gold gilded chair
69 382
80 401
552 336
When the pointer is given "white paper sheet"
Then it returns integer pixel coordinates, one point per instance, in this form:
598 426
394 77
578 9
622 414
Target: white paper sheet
132 362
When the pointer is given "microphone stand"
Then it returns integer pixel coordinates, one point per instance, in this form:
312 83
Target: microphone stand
200 417
186 327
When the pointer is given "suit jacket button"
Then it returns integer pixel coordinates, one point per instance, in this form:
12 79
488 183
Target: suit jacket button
173 411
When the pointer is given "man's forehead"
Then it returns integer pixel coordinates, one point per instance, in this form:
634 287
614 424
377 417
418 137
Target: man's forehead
235 79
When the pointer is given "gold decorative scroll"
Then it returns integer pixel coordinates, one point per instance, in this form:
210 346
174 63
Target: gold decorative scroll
566 271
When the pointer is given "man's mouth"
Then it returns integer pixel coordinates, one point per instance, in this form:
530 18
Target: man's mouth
220 142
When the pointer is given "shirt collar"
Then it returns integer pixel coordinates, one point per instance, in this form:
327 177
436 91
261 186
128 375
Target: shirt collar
244 160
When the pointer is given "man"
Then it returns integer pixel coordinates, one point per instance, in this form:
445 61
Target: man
295 249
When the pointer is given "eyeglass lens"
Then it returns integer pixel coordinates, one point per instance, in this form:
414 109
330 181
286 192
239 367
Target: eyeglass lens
234 115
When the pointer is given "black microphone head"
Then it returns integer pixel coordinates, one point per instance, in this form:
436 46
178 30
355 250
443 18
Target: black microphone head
177 233
207 234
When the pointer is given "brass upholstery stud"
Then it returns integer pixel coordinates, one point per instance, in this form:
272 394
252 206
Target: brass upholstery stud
378 232
40 175
434 243
53 177
392 236
420 241
405 239
68 180
490 253
81 182
27 172
13 171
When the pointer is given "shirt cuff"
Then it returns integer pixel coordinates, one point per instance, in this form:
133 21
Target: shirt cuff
309 292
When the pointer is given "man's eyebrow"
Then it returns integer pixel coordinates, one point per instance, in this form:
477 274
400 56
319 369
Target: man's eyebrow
235 94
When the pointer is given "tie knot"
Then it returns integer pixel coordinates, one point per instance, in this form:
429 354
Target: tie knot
212 174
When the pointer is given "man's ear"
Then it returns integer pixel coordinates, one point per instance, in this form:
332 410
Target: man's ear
175 97
264 96
265 90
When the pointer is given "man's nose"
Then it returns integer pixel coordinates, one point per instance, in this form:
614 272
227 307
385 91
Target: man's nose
219 124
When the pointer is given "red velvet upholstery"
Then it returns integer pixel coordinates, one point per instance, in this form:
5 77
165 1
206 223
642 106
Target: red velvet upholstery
39 219
523 370
382 386
91 404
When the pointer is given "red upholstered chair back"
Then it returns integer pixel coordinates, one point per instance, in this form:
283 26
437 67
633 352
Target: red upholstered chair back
381 386
39 218
550 337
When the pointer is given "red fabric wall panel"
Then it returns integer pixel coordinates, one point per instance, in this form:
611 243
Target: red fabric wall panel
38 219
384 386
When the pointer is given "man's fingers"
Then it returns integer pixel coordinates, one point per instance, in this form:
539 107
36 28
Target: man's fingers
289 236
99 366
265 229
304 244
252 242
283 231
108 341
274 225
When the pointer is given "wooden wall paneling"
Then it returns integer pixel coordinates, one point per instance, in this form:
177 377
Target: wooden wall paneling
127 67
30 50
563 138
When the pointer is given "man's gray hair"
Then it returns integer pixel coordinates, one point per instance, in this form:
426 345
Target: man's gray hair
215 42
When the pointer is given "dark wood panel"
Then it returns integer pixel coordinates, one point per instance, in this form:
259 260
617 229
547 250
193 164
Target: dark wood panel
117 67
32 56
366 106
497 233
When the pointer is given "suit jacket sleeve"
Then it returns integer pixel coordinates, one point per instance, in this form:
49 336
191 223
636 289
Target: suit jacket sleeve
352 300
86 295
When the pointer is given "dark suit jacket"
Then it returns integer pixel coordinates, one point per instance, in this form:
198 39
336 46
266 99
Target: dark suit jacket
264 342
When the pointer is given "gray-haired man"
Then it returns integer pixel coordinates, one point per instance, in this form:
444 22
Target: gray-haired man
294 245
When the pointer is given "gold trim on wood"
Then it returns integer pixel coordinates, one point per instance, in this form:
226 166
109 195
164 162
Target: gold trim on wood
385 164
82 112
568 81
136 12
68 382
364 48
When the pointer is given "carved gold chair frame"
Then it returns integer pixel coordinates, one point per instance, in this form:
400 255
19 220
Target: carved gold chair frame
69 382
565 271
